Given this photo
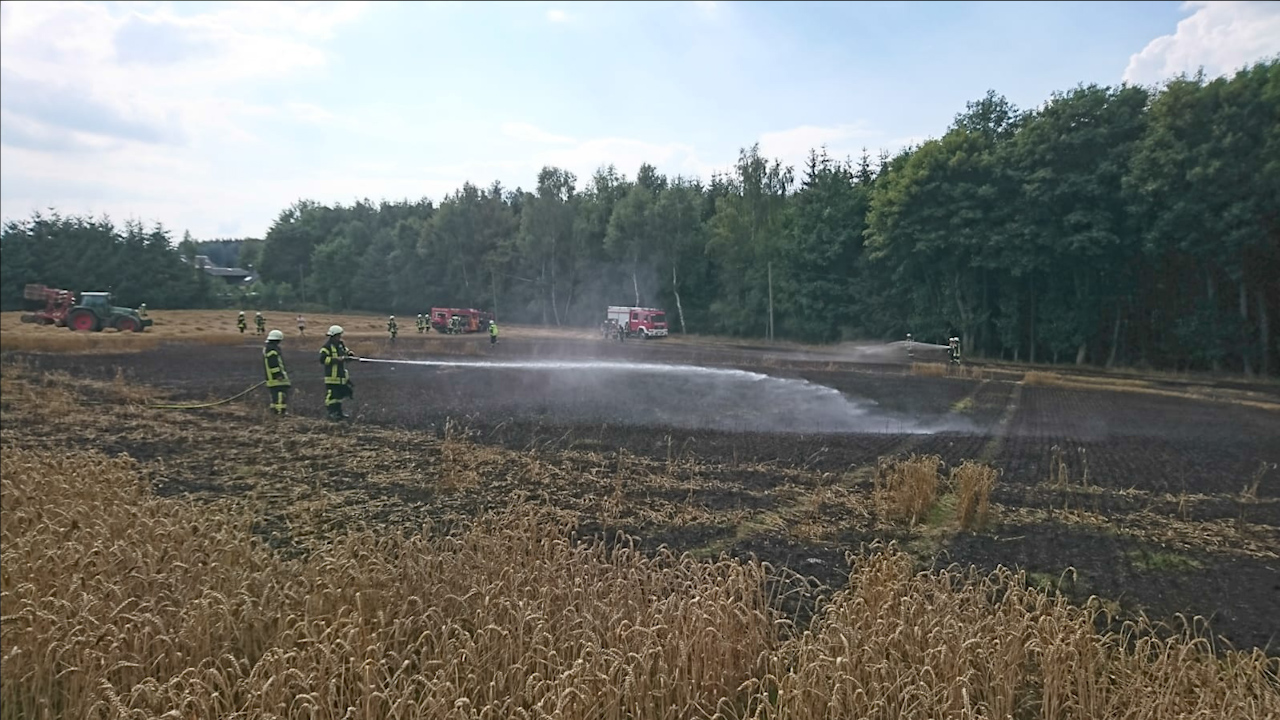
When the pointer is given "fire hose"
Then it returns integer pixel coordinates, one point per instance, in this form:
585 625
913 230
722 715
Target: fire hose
224 401
237 396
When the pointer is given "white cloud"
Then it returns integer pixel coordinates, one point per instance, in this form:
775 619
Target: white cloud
792 146
135 109
557 16
1220 36
529 133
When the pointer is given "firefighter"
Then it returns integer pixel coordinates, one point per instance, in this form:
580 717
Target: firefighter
493 333
142 310
277 376
240 322
259 324
391 327
337 384
302 325
953 349
911 347
419 322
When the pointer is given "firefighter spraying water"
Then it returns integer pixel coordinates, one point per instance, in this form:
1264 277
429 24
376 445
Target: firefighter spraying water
337 382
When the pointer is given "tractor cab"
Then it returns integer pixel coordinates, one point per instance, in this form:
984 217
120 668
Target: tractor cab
96 300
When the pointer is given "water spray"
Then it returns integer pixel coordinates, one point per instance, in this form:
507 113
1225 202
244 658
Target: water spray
694 396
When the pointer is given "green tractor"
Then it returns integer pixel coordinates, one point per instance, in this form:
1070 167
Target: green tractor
95 312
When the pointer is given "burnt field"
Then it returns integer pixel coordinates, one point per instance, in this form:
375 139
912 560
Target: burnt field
1149 495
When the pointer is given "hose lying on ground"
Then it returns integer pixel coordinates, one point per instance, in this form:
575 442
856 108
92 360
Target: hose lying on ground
208 404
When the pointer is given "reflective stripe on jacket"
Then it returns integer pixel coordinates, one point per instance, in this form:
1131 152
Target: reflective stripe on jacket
274 363
334 358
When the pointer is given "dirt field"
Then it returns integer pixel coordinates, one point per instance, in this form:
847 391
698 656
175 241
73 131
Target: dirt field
1159 495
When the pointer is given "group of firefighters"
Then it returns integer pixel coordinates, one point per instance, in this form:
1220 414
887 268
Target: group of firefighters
259 323
613 329
333 356
337 381
423 324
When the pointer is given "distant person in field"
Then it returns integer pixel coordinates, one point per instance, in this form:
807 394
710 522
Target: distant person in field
337 383
493 333
142 310
302 325
391 327
240 323
277 376
260 324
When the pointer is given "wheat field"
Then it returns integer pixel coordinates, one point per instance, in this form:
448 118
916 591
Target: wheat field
120 604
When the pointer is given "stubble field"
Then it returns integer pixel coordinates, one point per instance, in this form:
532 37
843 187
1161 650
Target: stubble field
1156 497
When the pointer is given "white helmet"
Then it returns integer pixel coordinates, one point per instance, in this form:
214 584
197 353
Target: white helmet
335 330
275 335
241 312
258 314
419 314
393 317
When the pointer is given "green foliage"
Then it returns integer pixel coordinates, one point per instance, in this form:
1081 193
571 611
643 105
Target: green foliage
85 255
1107 225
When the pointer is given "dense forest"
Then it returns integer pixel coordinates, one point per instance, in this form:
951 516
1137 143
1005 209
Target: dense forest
1107 226
83 254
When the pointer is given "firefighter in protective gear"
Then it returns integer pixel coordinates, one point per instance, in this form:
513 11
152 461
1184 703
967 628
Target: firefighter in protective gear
240 322
337 384
277 376
419 325
493 333
260 324
391 326
142 310
953 350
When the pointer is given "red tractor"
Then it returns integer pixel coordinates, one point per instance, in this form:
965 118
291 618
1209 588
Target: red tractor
94 312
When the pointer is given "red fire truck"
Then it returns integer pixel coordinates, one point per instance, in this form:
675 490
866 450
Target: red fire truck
638 322
468 320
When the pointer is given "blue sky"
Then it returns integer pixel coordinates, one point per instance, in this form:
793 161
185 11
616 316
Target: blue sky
213 117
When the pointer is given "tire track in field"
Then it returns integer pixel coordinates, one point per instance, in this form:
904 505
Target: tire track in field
991 450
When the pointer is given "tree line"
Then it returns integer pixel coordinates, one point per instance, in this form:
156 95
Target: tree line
83 254
1109 225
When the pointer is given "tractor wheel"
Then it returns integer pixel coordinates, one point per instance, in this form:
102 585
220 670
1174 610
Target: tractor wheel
125 323
82 321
